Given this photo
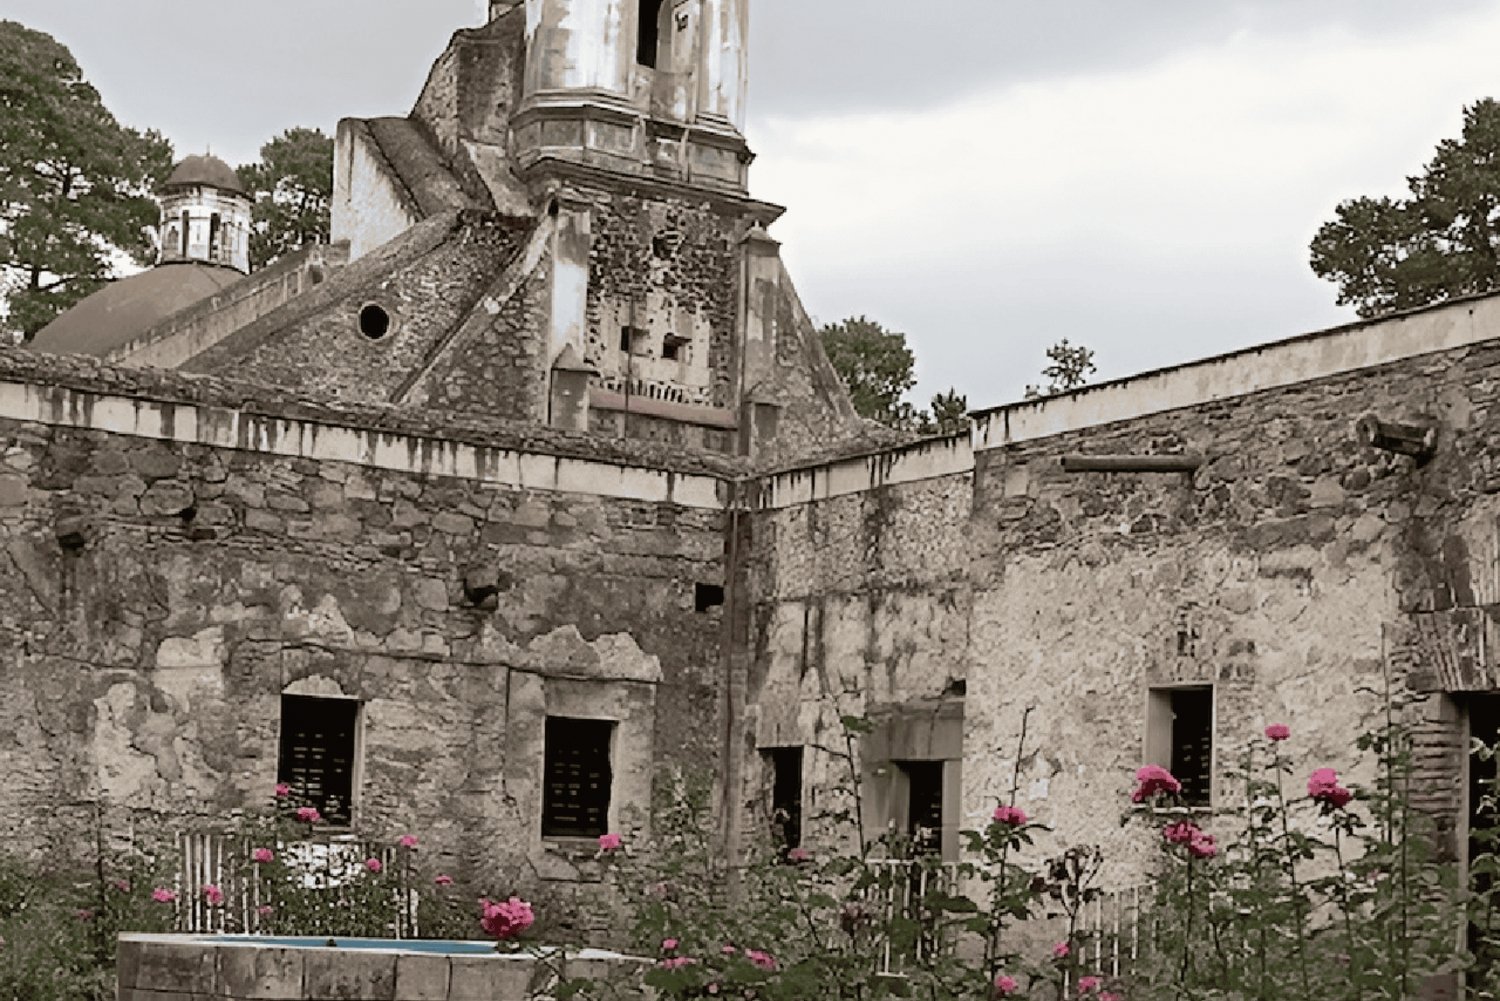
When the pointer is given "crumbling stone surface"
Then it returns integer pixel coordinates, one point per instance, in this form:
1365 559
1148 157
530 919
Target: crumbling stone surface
423 285
1296 571
144 667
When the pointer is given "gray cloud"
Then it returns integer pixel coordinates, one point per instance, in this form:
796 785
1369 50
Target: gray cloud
814 56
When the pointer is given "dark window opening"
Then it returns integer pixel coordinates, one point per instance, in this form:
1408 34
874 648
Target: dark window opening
672 345
215 237
633 340
316 756
374 322
785 764
577 778
663 246
648 32
706 596
924 805
1192 742
1484 726
186 222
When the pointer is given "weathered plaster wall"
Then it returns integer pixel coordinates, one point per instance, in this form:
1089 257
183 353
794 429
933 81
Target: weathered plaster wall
370 204
1296 567
143 668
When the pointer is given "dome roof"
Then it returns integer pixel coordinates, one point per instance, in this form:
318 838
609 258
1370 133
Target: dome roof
206 170
125 309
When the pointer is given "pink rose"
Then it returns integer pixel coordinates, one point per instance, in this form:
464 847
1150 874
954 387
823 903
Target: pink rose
308 814
1180 833
123 885
507 919
1323 787
799 855
1087 984
283 790
728 949
261 855
1012 816
760 960
677 962
1005 985
374 864
84 914
668 944
162 895
1061 950
1278 731
1202 846
265 910
408 841
213 894
442 879
610 842
1152 780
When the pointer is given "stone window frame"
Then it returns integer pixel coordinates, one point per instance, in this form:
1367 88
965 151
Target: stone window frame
919 731
1161 738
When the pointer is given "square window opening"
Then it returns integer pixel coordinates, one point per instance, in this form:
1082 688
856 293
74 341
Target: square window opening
317 753
577 777
785 766
707 596
1180 735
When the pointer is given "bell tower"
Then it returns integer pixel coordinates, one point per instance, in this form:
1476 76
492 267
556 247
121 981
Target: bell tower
650 87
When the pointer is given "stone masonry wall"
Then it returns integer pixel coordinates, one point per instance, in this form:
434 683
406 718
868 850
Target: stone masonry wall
157 598
1294 569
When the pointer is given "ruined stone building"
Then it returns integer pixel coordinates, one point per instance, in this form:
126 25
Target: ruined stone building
535 488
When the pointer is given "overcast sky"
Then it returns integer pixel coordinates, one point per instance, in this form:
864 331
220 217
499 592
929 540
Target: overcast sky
1141 176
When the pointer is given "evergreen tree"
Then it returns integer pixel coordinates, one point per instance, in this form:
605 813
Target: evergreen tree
75 185
293 190
1443 240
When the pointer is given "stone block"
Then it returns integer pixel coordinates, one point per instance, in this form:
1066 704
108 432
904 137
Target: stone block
490 978
347 974
182 966
255 972
165 498
421 978
12 491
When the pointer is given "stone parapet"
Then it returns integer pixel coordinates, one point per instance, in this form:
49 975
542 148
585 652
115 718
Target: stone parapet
241 968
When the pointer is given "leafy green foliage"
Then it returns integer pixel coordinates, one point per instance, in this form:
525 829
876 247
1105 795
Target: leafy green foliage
75 185
878 368
1068 367
293 190
1441 241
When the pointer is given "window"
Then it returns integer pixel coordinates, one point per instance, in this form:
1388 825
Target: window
1180 733
317 754
672 345
785 766
707 596
577 777
634 340
648 32
924 804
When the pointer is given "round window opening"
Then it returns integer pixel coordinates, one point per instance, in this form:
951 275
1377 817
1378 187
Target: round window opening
374 322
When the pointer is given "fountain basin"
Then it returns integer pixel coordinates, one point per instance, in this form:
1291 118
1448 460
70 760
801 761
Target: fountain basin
256 968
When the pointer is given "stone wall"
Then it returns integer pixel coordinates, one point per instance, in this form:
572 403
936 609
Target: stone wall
199 327
160 592
1295 570
421 287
